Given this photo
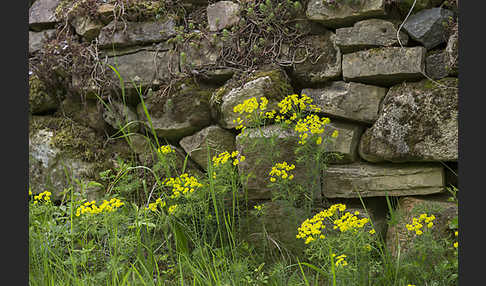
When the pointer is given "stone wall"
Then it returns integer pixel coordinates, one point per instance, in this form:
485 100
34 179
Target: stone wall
391 94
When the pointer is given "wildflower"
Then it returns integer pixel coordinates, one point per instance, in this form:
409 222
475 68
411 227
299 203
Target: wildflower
417 223
165 149
456 233
334 134
106 206
225 156
456 244
44 197
367 247
258 207
319 140
182 185
172 209
340 260
372 231
281 170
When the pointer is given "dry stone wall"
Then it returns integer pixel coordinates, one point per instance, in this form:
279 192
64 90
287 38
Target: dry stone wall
391 94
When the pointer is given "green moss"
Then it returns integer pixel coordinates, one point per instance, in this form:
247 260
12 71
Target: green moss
280 87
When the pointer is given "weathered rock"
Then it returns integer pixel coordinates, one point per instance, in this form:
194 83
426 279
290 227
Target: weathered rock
42 14
213 137
40 100
348 100
198 54
180 114
384 66
60 151
324 64
145 67
272 84
408 208
37 39
106 12
452 53
418 122
121 117
222 14
435 66
344 13
86 113
115 34
366 34
429 27
275 144
405 5
372 180
274 230
86 27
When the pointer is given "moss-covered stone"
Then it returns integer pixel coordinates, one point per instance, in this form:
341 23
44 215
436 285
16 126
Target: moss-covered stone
40 100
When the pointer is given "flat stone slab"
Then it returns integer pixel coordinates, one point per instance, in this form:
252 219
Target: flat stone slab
385 66
222 14
344 13
367 34
116 34
417 123
348 100
42 14
372 180
212 139
37 39
429 27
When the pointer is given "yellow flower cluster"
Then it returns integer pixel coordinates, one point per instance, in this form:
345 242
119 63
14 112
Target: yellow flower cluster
456 244
172 209
182 185
417 223
340 260
350 221
311 229
225 156
296 103
153 206
165 149
106 206
259 207
280 170
312 123
44 196
249 106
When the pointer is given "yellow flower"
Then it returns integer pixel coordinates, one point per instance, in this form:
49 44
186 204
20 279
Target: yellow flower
334 134
456 233
456 244
172 209
319 140
372 231
165 149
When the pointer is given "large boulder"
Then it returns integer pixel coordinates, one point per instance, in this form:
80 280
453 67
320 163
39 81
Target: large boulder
348 100
37 39
117 34
178 114
384 66
61 151
418 122
323 64
373 180
344 13
42 14
399 237
212 139
272 84
429 27
271 144
222 14
366 34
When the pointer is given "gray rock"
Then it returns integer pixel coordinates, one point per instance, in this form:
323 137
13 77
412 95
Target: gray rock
324 65
106 12
275 144
145 67
272 84
452 53
199 54
385 66
344 13
86 113
372 180
222 14
212 139
86 27
408 208
366 34
348 100
429 27
121 117
42 14
135 33
417 122
435 66
179 114
37 39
